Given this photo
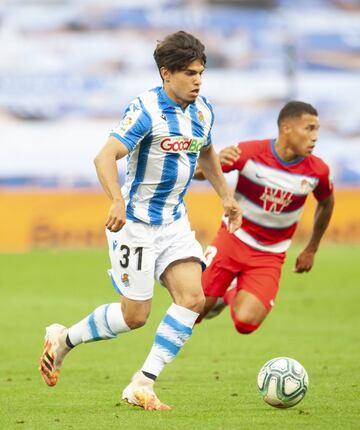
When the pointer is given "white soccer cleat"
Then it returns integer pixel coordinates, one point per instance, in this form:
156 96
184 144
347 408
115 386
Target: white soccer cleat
216 309
55 350
140 392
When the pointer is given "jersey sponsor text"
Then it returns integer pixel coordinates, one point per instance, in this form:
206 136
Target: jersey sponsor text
181 144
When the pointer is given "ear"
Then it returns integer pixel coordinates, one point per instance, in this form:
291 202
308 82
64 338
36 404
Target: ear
286 127
165 74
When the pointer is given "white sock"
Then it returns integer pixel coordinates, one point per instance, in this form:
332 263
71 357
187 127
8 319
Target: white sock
106 322
172 333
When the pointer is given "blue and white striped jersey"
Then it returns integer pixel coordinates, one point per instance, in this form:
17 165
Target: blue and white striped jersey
164 142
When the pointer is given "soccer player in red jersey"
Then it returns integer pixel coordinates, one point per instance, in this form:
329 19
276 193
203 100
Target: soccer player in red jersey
274 178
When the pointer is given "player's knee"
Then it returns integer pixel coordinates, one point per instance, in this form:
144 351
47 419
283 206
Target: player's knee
135 321
194 302
136 318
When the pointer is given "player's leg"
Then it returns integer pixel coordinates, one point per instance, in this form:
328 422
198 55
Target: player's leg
211 304
253 298
135 283
172 333
223 266
247 311
182 279
105 322
215 305
178 268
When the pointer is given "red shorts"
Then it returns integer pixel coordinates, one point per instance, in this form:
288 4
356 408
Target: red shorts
256 271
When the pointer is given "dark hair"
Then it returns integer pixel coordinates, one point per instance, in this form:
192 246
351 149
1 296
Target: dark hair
178 50
295 109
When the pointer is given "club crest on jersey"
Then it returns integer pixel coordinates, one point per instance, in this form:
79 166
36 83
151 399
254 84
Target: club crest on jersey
201 116
178 144
125 279
275 200
305 186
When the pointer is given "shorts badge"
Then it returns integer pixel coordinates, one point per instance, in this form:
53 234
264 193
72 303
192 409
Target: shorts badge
125 280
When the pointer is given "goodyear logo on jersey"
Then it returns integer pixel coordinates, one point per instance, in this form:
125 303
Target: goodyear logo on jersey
178 144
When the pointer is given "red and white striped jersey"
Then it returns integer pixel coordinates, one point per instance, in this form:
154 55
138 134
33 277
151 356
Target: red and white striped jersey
272 193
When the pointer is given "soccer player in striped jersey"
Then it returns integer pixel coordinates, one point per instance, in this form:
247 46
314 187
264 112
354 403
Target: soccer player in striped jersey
274 178
163 133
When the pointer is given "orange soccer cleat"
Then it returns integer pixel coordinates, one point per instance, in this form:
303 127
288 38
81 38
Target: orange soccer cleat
55 350
140 392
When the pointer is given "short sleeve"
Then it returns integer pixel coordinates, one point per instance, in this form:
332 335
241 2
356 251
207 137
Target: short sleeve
325 186
211 119
134 126
209 137
240 162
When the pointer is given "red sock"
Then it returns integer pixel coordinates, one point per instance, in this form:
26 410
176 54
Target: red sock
244 328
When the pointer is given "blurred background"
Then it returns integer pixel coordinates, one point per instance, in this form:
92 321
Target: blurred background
68 69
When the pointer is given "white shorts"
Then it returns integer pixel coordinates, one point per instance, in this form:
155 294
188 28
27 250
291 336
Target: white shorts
140 252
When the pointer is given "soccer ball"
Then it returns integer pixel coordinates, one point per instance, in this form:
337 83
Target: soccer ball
282 382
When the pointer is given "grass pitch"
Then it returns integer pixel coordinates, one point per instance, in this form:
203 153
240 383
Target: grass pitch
211 384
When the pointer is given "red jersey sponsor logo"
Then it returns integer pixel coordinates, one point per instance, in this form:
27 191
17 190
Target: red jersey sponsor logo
181 144
275 199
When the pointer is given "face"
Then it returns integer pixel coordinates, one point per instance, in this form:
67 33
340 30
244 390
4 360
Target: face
301 134
183 86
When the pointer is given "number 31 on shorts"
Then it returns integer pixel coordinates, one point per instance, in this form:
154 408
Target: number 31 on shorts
126 254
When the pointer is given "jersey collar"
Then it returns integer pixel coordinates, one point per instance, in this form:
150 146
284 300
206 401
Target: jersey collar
280 160
171 102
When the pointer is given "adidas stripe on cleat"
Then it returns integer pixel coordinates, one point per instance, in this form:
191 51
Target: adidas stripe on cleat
55 350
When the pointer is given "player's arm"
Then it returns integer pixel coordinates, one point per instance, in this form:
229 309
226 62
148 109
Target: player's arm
227 156
323 212
107 171
210 166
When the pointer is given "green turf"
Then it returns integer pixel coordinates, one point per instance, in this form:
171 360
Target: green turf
211 384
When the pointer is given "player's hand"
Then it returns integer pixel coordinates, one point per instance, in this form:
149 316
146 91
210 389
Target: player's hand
304 261
117 215
233 211
229 155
